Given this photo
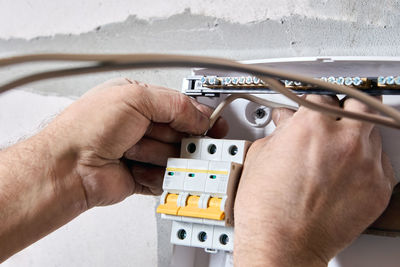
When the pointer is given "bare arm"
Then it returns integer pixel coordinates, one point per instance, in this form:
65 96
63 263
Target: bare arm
39 191
109 144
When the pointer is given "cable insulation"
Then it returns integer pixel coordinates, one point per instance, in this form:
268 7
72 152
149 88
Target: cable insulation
269 75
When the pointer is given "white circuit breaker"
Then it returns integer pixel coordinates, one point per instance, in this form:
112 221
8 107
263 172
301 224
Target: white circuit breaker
199 192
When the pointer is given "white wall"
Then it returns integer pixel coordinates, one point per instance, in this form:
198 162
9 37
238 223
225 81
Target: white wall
54 17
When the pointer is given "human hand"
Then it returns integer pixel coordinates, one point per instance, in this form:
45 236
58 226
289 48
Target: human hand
122 132
310 188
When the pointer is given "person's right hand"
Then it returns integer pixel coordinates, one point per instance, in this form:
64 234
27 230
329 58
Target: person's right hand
109 144
310 188
121 134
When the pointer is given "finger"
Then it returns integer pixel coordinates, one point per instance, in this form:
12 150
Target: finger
112 82
168 106
317 116
148 178
164 133
107 85
353 105
220 127
389 218
152 151
281 115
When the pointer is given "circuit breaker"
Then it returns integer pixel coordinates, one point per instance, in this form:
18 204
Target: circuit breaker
199 192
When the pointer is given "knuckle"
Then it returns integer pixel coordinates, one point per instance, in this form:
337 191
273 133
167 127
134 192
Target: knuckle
136 88
134 82
318 118
128 92
310 122
353 104
138 96
182 103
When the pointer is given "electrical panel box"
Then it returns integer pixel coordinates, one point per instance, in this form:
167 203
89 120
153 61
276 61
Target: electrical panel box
379 75
250 121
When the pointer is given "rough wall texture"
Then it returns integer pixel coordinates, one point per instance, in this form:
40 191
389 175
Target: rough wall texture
232 29
331 28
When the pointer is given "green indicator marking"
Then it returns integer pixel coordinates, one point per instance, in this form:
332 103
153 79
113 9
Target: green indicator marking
191 175
170 173
213 176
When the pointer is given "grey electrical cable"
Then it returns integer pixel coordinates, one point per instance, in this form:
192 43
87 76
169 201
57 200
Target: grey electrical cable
269 75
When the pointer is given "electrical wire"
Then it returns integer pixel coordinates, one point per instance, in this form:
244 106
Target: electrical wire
221 106
104 63
269 75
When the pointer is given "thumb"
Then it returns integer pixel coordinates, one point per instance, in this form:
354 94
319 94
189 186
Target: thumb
280 115
168 106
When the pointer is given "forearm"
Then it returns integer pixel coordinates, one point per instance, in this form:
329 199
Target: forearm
35 196
275 252
260 241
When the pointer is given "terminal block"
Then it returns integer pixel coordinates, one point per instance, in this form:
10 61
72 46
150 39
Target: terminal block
199 192
388 82
215 85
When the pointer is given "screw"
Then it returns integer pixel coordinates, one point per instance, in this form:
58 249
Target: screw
212 80
249 80
340 80
331 79
227 80
260 113
381 80
348 81
390 80
357 81
296 83
288 83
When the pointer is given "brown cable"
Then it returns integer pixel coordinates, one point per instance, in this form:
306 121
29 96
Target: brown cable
122 62
131 61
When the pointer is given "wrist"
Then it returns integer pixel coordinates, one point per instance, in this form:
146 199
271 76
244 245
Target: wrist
262 243
270 254
62 160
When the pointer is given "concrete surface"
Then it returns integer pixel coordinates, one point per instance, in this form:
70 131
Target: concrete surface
233 29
